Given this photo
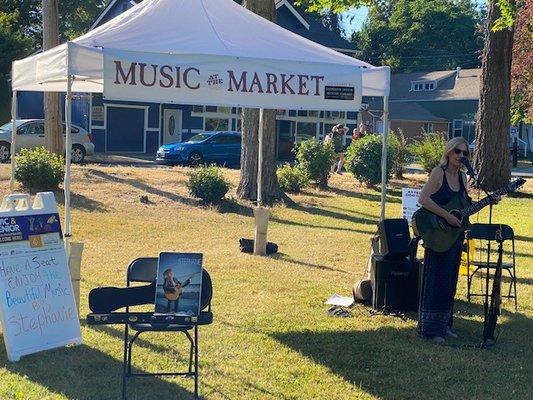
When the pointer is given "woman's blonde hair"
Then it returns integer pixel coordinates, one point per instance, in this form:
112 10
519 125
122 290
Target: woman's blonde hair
452 144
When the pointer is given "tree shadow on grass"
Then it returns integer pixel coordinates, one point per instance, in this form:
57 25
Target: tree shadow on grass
78 201
334 215
335 228
145 187
392 363
285 258
393 196
83 372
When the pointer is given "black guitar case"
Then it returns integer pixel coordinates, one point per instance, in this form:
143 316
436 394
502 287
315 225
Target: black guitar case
104 300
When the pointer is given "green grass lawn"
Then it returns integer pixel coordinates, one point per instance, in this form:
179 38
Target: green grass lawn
271 337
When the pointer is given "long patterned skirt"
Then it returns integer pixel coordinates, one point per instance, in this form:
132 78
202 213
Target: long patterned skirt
441 271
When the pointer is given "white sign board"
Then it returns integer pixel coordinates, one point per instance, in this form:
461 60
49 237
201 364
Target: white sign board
409 202
230 81
37 306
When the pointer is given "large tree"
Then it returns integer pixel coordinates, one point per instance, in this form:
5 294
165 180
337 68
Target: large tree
247 188
418 35
491 156
53 131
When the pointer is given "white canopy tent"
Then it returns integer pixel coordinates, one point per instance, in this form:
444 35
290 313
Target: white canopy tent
211 52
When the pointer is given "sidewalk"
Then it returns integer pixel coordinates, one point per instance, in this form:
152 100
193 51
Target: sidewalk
133 159
524 170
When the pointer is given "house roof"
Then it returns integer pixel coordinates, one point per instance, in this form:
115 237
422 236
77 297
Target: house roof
315 30
411 112
466 86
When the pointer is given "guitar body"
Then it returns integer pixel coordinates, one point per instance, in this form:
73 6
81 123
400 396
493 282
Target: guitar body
174 295
436 233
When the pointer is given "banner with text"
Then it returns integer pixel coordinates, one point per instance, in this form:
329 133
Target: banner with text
37 306
230 81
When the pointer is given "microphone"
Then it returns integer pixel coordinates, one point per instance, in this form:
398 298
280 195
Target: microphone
469 170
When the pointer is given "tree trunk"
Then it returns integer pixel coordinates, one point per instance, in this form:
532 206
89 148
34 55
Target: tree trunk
491 156
53 129
247 188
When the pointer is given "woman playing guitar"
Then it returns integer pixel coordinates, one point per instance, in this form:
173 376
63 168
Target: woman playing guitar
172 289
441 269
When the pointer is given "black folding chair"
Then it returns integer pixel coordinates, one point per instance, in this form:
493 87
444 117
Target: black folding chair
486 258
144 269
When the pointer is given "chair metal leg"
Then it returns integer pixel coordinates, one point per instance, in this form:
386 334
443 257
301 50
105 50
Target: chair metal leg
196 362
130 346
191 350
515 294
124 363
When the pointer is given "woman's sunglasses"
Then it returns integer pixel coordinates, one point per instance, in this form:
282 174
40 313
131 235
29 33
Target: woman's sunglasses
465 153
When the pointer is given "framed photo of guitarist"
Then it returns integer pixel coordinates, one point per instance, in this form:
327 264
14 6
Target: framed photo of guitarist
179 281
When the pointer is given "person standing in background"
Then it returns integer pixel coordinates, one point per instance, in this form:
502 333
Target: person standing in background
338 133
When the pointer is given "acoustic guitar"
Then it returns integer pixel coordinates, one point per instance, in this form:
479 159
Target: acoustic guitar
175 293
437 234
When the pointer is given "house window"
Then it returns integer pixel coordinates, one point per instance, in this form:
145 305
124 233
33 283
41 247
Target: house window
216 124
305 131
428 127
423 86
457 127
198 109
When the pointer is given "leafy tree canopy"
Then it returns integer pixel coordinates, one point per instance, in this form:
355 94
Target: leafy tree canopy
21 29
521 71
415 35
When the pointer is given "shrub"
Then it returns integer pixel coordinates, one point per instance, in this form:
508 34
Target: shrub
208 184
402 153
363 159
292 179
316 160
429 150
38 169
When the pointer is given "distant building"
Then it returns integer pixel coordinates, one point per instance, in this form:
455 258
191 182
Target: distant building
438 101
142 127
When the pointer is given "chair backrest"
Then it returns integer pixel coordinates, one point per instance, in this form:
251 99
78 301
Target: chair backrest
488 231
144 269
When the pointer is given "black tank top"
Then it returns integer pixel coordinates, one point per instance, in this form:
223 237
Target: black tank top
445 192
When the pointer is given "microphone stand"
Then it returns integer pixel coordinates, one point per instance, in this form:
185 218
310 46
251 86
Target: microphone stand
472 174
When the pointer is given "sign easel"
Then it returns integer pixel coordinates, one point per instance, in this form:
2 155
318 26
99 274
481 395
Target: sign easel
37 306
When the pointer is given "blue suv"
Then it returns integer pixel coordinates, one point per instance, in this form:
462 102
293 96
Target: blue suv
222 147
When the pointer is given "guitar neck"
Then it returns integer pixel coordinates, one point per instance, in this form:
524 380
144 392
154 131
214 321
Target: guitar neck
478 205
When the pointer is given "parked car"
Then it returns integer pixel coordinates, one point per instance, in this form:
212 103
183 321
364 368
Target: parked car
222 147
30 134
522 146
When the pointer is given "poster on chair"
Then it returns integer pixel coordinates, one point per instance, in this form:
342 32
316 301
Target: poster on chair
179 283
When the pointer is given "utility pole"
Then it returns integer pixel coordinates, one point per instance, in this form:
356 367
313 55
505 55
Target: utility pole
53 129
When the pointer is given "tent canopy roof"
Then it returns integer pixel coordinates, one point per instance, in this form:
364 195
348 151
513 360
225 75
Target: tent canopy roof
203 27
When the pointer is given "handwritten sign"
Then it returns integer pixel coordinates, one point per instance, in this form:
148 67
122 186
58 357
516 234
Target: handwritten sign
409 202
37 306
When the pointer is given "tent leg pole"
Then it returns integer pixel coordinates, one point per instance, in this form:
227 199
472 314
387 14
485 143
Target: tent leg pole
13 140
68 150
384 149
262 214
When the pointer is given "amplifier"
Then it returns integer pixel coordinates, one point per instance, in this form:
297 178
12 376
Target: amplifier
395 284
394 238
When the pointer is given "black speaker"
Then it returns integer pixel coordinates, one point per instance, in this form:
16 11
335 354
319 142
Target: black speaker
394 238
395 284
